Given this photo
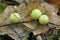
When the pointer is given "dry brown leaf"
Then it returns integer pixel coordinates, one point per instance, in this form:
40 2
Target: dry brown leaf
30 7
4 17
41 29
51 11
47 9
25 12
31 25
21 9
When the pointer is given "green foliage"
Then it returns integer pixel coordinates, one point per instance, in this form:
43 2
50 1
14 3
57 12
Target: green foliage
11 2
2 7
55 36
0 1
59 32
4 4
1 38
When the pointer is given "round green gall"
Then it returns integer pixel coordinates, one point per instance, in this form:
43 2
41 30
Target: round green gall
14 18
43 19
36 14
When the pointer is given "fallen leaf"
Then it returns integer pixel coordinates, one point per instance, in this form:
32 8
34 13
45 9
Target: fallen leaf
25 12
41 29
51 11
4 18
